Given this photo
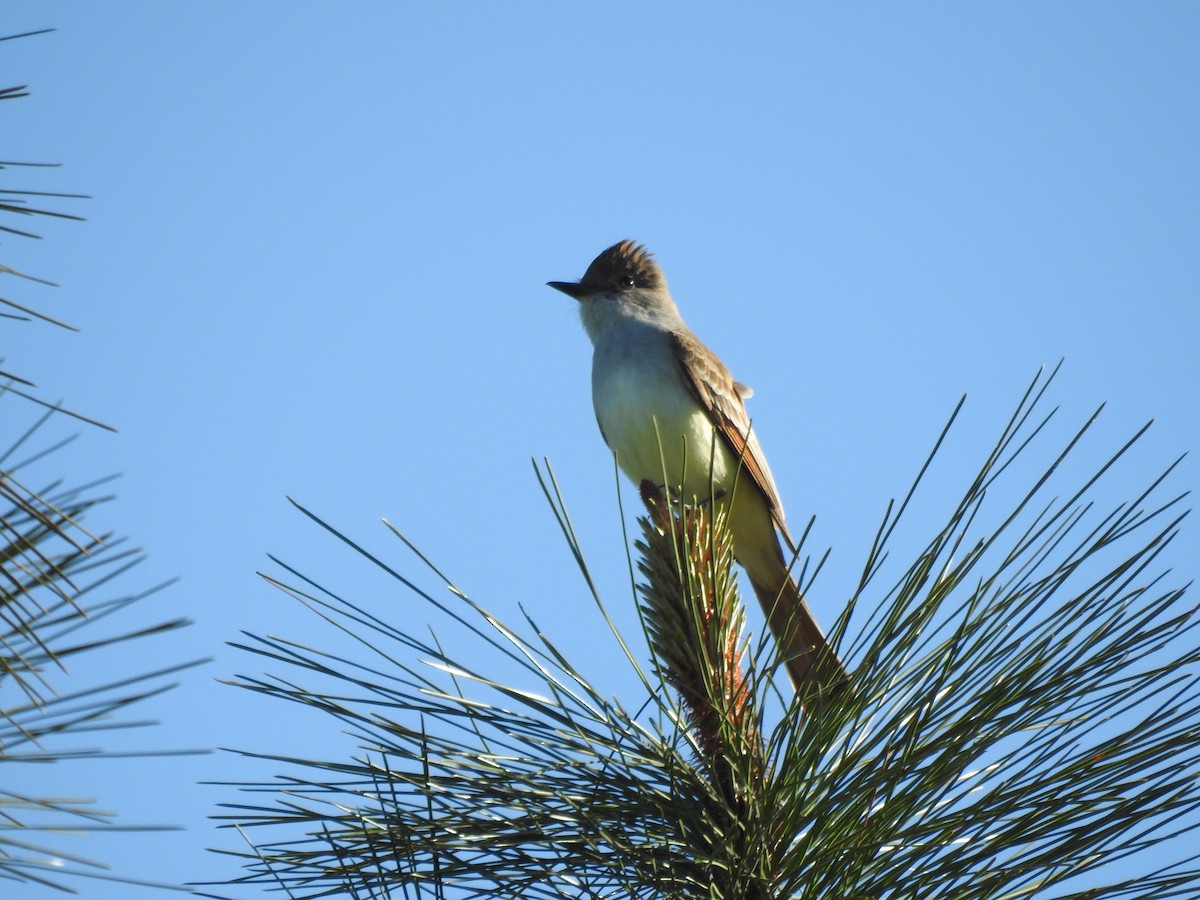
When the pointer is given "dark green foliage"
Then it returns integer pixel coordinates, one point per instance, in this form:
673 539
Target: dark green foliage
58 602
1024 713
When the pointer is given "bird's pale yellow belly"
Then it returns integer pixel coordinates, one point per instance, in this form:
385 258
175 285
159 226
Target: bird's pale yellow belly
659 432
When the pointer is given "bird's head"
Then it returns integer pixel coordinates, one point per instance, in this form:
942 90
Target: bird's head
625 266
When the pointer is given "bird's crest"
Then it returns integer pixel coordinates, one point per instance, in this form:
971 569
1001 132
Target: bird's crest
622 266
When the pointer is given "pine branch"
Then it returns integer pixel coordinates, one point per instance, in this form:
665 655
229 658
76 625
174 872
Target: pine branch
1026 712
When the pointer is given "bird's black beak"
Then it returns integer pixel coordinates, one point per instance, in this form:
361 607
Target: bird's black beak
570 288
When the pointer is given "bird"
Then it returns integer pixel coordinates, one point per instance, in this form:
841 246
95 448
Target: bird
668 406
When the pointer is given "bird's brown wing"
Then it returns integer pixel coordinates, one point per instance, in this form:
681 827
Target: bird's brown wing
813 666
713 386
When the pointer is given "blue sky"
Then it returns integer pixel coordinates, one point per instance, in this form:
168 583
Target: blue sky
315 257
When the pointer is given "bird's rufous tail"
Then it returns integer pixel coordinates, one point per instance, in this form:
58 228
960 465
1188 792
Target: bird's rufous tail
814 668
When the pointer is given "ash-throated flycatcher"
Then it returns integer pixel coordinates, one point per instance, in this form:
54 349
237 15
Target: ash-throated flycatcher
659 395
